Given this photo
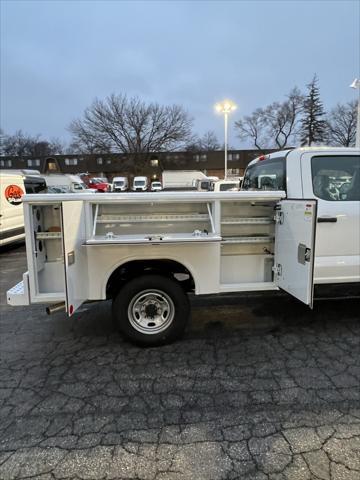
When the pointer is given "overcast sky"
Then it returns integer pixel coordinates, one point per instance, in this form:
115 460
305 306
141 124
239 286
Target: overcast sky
57 56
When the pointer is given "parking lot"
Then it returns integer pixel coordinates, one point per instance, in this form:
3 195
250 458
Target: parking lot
259 388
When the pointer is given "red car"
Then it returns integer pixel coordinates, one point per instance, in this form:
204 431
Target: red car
99 184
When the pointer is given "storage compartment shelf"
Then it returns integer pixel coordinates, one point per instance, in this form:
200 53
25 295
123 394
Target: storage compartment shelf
158 239
48 235
248 239
152 218
247 221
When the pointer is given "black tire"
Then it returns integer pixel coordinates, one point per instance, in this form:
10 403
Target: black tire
171 310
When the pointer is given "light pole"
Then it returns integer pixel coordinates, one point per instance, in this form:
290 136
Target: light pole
356 84
225 107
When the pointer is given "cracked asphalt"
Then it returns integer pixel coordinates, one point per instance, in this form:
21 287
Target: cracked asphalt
259 388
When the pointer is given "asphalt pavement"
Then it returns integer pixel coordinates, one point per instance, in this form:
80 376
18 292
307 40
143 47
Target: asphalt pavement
258 388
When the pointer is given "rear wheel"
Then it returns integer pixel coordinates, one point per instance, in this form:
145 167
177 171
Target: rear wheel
151 310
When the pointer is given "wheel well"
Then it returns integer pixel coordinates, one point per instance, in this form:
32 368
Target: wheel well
136 268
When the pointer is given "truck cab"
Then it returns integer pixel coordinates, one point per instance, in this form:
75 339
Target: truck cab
332 177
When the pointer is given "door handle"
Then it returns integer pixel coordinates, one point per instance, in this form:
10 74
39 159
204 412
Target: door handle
327 219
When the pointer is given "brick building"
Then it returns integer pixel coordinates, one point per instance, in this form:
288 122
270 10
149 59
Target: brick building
111 165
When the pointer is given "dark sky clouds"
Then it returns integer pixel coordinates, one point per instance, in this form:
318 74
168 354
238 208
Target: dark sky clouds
56 56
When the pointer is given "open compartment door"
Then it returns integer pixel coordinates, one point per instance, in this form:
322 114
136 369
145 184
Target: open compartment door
75 260
295 248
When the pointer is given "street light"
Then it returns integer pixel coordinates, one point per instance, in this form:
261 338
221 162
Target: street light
356 84
225 107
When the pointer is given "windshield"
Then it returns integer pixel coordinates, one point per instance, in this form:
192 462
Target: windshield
79 186
34 185
119 183
139 183
156 184
265 175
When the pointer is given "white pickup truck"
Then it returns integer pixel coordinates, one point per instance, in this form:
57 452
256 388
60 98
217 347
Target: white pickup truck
298 226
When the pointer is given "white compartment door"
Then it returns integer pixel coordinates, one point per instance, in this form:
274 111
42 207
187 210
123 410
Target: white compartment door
295 248
75 260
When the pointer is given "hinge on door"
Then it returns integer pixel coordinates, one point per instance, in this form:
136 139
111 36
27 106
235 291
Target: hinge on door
277 269
279 217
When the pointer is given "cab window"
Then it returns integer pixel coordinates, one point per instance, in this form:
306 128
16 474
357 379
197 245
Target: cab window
265 175
336 178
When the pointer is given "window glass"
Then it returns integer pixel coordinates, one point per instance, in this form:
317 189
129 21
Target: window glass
265 175
79 186
336 178
228 186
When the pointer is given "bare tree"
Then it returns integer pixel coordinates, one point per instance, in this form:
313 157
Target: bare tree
22 144
282 119
274 125
120 124
19 144
341 123
253 127
208 142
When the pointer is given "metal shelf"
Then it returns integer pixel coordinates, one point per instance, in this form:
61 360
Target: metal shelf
152 218
247 221
152 239
248 239
48 235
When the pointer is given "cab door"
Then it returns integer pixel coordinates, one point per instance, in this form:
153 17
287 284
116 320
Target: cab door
75 259
294 248
333 177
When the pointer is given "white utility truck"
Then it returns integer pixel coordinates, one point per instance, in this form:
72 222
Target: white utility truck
69 182
146 251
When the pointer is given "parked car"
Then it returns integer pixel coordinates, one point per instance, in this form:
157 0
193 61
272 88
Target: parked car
156 187
99 184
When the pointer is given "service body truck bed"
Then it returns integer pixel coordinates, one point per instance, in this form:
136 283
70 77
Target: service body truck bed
147 250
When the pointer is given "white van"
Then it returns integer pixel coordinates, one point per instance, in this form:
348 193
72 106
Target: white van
120 184
140 184
12 188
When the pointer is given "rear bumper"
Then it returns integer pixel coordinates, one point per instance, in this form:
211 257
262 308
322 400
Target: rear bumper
19 293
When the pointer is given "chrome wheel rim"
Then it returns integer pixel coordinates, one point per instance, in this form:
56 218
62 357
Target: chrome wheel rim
151 311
